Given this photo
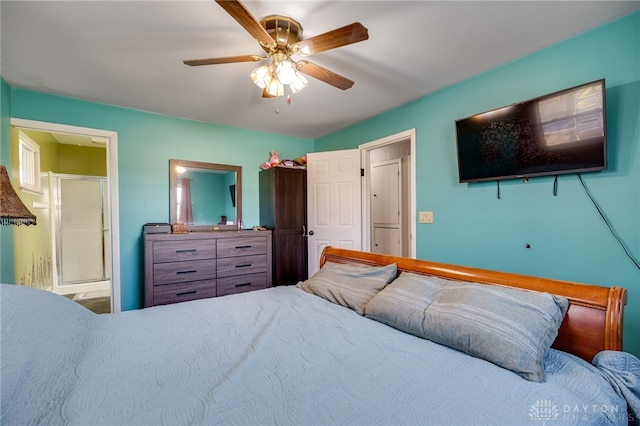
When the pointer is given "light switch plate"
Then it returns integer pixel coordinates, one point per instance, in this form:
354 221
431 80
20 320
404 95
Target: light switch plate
425 217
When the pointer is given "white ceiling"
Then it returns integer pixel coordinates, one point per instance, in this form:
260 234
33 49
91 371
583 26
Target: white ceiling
129 53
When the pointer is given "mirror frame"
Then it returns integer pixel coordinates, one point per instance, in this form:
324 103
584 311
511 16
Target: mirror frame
173 202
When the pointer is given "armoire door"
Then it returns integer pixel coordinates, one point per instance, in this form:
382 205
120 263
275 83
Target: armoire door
283 208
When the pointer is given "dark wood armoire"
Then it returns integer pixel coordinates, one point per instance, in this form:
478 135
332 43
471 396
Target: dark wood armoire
283 209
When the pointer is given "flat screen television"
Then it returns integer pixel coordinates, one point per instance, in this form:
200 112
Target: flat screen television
559 133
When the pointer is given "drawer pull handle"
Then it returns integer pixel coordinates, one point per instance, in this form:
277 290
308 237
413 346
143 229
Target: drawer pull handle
186 293
243 265
192 271
187 251
243 284
243 247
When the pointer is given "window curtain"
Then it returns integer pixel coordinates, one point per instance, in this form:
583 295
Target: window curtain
186 211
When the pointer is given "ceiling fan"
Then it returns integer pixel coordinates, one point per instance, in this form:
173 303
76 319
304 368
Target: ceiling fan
281 39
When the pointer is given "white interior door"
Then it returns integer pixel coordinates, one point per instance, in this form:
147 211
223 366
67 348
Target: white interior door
386 207
386 192
333 202
387 241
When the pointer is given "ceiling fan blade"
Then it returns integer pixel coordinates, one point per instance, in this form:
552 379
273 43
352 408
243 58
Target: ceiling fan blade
246 20
323 74
224 60
349 34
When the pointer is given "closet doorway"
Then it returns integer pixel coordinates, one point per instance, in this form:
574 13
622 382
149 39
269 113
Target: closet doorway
388 195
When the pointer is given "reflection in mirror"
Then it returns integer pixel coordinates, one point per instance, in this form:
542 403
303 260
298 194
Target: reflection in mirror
205 196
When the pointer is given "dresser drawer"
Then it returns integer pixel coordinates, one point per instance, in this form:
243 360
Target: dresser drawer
232 266
173 251
181 267
176 272
229 247
174 293
241 284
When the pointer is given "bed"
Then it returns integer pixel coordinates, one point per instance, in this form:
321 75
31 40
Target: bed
323 352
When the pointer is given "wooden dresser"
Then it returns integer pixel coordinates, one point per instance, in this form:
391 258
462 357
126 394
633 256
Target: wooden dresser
181 267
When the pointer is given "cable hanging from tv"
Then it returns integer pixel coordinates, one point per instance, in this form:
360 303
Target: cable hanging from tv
606 222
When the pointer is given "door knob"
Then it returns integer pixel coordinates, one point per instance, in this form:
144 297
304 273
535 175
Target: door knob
310 232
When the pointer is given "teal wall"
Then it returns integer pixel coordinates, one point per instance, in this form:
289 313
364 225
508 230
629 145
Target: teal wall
209 197
567 236
146 142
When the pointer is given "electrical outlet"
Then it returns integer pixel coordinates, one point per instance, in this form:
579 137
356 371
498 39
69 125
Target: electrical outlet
425 217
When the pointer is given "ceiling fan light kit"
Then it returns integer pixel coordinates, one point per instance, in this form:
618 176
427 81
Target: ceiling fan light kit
281 38
282 71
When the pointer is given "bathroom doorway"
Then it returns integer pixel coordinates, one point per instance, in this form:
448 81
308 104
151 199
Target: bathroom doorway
71 236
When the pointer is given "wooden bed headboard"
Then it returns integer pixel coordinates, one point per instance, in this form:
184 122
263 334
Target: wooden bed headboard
593 322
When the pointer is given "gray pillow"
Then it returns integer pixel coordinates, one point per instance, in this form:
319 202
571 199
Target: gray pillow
351 286
509 327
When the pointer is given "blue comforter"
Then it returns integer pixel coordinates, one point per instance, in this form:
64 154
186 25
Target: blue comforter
278 355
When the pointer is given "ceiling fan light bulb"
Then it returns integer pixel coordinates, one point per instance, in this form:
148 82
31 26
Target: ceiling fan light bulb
286 72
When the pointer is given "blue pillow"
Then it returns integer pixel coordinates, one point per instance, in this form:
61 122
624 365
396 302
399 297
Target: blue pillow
509 327
351 286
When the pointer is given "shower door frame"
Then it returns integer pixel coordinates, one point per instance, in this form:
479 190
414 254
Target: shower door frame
80 286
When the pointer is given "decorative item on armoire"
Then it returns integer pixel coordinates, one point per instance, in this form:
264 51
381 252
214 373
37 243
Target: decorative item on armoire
12 209
274 160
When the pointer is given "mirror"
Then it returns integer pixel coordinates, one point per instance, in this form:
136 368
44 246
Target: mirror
205 196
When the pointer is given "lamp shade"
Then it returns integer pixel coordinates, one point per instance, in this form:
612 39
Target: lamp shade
275 88
298 83
260 76
12 210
